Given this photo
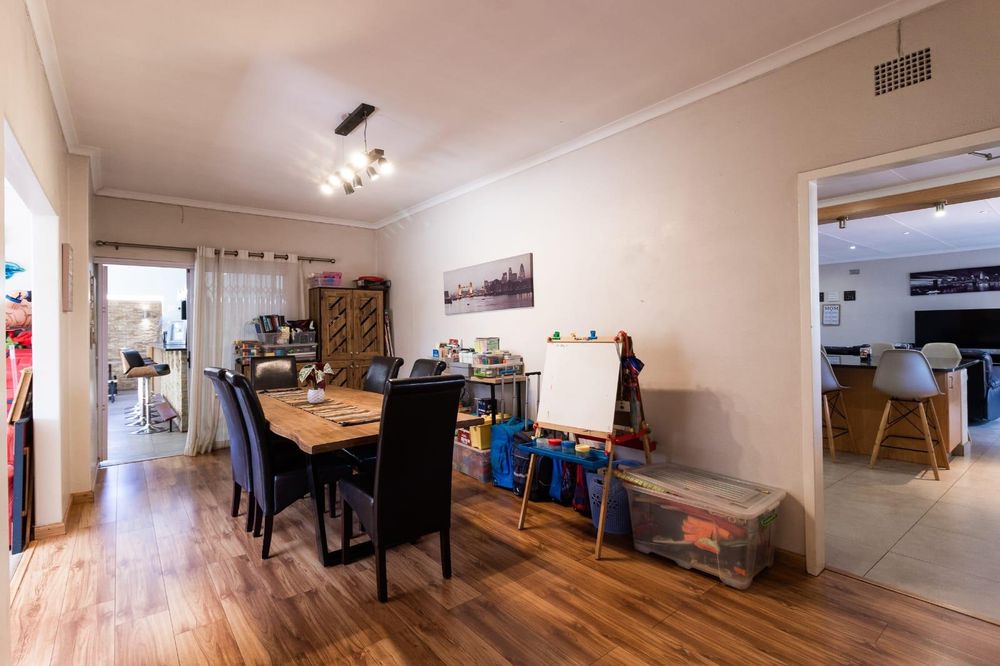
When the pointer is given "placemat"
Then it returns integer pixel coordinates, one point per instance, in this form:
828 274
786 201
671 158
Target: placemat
341 413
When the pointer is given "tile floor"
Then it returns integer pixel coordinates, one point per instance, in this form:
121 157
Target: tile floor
125 447
938 540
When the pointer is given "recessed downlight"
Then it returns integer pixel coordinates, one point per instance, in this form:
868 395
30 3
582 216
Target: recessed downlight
854 247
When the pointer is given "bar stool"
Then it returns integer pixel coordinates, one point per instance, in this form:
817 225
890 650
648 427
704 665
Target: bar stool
834 404
135 367
905 376
943 351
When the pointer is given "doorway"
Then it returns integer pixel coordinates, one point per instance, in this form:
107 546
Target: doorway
895 523
142 360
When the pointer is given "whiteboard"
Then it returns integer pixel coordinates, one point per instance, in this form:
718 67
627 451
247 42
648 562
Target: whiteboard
579 385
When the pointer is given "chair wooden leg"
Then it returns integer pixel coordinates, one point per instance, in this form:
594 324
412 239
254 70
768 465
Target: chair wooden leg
237 492
346 527
380 574
446 553
842 406
930 442
881 433
940 435
829 427
265 547
251 510
532 461
258 514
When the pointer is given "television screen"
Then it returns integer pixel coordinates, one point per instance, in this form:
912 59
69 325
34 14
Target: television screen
977 329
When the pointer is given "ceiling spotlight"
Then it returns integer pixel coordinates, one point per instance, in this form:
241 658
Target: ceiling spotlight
842 221
372 172
348 188
386 167
334 179
357 181
346 174
359 160
939 210
906 233
854 247
326 188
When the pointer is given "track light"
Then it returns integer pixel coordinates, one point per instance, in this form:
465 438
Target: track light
348 188
842 221
371 163
939 210
372 173
357 182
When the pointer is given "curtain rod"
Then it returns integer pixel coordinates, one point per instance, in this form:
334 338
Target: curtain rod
176 248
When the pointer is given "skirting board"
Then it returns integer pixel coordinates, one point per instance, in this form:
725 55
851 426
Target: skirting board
50 530
85 497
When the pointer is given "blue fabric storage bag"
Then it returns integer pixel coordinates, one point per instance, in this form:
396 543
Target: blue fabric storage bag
502 451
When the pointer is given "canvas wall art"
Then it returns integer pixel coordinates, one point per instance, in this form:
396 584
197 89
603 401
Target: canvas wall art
955 281
494 285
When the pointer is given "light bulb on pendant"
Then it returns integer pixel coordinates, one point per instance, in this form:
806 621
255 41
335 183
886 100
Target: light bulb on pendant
386 167
359 160
326 189
346 174
939 210
333 180
372 173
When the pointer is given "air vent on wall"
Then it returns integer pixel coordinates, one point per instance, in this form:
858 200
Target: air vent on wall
906 70
854 271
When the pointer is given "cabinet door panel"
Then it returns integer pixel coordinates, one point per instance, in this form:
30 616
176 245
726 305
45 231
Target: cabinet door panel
368 338
336 325
358 370
341 374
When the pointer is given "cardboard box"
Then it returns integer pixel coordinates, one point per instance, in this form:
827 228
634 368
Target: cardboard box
472 462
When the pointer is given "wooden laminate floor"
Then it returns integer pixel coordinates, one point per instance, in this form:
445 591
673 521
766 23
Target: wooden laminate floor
155 571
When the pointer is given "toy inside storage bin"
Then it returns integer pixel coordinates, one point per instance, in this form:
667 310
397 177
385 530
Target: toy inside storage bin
616 520
710 522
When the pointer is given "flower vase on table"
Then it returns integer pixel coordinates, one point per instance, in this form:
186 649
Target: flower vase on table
314 380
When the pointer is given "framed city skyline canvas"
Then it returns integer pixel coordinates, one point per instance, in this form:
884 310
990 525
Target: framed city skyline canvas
494 285
955 281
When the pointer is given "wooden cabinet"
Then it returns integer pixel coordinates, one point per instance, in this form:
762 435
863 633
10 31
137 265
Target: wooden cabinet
351 330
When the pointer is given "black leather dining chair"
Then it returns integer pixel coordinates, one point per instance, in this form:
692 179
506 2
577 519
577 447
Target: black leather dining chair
409 494
427 367
382 369
273 372
280 470
239 448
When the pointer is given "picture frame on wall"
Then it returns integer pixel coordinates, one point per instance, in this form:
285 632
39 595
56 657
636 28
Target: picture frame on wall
494 285
831 314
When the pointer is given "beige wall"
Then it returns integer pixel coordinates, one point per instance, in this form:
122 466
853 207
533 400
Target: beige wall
683 231
168 224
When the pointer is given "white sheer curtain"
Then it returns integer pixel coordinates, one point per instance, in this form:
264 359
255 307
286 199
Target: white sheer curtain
229 292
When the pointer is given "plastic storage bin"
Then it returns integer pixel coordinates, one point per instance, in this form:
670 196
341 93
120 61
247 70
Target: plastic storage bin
705 521
617 518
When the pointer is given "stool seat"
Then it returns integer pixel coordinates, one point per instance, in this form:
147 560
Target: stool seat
134 366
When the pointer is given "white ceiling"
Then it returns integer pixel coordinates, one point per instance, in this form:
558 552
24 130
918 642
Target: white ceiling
842 186
967 226
235 102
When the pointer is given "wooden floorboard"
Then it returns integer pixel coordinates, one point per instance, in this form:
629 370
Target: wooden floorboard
156 571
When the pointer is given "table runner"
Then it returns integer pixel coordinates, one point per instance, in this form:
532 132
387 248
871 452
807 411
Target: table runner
341 413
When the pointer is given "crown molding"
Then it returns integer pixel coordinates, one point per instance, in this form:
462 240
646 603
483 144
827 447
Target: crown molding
874 19
229 208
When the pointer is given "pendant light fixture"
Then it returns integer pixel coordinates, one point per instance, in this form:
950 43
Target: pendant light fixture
367 163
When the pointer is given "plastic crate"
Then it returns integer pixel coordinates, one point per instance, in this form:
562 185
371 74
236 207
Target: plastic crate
700 520
472 462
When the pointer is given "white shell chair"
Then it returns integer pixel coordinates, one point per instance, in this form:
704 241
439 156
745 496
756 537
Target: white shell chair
833 405
906 378
879 347
942 351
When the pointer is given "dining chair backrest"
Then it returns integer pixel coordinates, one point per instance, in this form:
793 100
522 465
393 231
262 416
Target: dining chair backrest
427 367
828 379
944 351
414 460
239 448
879 347
273 372
257 438
382 369
905 374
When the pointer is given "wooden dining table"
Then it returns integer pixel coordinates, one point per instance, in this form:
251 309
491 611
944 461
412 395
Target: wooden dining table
315 435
